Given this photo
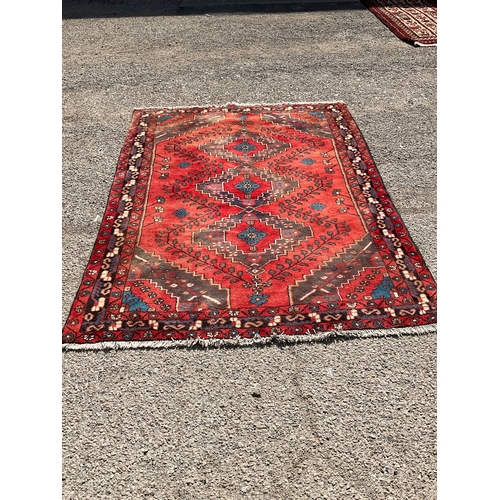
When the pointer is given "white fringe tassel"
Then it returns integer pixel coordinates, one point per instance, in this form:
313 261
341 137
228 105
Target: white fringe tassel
418 44
237 104
313 336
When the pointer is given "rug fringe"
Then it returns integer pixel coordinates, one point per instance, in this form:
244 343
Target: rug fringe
151 108
313 336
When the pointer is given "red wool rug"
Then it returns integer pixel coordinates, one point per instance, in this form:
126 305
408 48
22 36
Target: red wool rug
413 21
245 224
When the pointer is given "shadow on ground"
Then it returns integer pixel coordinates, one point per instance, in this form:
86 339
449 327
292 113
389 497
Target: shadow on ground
81 9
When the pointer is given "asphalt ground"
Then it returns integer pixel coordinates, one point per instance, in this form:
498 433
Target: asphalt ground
340 420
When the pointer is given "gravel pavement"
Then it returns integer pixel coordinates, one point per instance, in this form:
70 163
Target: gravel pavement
341 420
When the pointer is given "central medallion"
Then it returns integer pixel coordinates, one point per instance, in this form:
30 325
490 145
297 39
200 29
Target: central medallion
274 236
251 235
244 145
247 186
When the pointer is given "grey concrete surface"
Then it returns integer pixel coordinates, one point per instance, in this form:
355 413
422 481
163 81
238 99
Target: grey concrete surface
341 420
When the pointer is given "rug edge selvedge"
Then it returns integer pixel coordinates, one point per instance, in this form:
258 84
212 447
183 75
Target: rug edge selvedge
330 335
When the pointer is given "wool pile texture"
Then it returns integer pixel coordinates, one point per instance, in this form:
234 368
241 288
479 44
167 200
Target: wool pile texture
414 21
246 224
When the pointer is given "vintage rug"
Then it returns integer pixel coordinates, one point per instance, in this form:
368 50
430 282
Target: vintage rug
244 224
414 21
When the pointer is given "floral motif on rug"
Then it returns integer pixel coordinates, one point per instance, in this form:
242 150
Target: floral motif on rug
242 224
413 21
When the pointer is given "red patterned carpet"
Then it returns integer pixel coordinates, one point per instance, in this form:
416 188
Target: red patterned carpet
244 224
413 21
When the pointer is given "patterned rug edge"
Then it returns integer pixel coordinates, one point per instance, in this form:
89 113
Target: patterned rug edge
237 105
330 335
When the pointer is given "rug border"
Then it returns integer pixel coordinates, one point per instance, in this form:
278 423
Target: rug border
338 333
236 104
330 335
354 124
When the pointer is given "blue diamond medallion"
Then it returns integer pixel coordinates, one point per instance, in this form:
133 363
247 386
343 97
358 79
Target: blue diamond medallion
247 186
251 235
245 147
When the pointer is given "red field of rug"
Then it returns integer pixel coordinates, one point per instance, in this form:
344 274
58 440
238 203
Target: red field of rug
413 21
242 224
